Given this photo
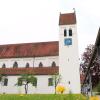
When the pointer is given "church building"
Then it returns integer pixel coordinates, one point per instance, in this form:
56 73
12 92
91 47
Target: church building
43 59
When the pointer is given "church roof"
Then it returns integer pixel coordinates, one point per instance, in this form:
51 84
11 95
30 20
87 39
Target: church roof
67 19
39 49
34 71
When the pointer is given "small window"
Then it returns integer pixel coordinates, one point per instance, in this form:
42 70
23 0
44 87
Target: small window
27 65
50 81
35 82
70 32
40 64
3 66
15 65
65 32
20 82
5 82
68 82
53 64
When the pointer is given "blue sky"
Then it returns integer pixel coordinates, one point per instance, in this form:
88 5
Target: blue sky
37 20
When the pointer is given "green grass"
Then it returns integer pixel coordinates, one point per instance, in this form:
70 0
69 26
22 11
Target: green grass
41 97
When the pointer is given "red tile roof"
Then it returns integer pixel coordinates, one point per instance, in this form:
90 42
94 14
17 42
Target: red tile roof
34 70
30 49
67 19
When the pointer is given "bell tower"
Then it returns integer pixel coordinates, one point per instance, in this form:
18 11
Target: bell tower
68 52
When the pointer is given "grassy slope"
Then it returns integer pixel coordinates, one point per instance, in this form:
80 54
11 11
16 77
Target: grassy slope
41 97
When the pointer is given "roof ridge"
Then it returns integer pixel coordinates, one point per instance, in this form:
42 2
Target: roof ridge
67 13
28 43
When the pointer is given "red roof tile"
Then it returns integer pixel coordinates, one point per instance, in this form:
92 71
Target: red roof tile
67 19
29 50
34 70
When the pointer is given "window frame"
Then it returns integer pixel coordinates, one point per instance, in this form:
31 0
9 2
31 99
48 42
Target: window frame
50 82
70 32
4 65
65 32
15 65
40 64
27 65
35 82
5 83
53 64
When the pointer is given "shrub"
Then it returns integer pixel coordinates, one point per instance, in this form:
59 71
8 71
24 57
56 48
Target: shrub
60 89
98 88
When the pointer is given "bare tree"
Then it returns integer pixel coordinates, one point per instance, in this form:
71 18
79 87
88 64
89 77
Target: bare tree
25 79
56 79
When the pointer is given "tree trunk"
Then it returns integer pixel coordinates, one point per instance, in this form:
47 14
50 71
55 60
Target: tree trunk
26 88
55 86
55 89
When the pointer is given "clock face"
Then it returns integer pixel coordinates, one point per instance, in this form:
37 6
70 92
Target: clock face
68 41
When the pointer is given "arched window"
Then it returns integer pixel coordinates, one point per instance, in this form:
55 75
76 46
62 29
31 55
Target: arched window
53 64
15 65
70 32
27 65
5 82
65 32
3 66
40 64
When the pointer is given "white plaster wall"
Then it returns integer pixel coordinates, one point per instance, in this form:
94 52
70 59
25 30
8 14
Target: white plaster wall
42 86
46 61
69 60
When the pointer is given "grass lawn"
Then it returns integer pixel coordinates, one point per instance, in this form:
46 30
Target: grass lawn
41 97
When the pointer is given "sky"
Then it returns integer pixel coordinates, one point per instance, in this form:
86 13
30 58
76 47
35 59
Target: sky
23 21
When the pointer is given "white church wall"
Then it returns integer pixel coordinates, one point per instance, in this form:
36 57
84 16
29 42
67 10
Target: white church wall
69 60
46 61
42 86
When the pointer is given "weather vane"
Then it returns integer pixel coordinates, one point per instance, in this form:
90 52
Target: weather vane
74 10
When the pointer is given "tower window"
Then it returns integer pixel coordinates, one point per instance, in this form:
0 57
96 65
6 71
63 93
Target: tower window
15 65
65 32
53 64
3 66
27 65
70 32
50 81
40 64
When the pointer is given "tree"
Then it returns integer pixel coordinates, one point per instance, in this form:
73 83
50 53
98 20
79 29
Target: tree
98 88
94 69
56 79
0 77
25 79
